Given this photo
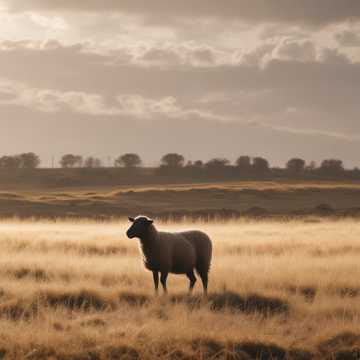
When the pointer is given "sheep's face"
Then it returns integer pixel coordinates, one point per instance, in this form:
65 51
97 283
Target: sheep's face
139 227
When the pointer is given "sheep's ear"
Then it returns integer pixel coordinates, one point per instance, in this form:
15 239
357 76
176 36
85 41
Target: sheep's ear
150 221
131 219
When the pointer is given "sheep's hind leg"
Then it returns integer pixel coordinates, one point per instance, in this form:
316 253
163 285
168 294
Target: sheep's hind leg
192 278
204 279
163 279
156 281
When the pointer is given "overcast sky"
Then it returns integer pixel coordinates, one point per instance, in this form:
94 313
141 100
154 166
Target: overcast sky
206 78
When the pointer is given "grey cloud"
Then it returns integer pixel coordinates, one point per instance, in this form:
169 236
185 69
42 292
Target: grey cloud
321 91
180 55
348 38
296 50
319 12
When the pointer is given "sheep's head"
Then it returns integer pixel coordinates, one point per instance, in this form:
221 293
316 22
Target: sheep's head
139 227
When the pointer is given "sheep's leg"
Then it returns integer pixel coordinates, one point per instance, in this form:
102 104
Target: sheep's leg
192 278
204 279
163 279
156 281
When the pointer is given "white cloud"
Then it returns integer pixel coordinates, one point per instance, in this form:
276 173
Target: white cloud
136 106
49 22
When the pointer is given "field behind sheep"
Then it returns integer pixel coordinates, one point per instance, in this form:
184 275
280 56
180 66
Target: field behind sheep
175 201
278 290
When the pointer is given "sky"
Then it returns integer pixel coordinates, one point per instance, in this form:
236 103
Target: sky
205 78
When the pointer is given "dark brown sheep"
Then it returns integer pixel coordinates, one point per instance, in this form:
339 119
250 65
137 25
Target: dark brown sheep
176 253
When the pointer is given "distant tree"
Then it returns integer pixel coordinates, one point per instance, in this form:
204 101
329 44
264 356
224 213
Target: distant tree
217 164
311 166
173 161
10 162
71 161
128 160
260 164
332 166
29 160
356 171
198 164
295 165
244 163
92 162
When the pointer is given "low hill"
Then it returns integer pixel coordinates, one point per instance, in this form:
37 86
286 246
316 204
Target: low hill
207 200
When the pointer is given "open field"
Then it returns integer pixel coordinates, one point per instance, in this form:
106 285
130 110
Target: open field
278 290
227 199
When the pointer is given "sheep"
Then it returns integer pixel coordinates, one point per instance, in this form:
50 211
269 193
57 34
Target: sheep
176 253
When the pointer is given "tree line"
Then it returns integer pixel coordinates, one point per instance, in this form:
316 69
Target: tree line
174 162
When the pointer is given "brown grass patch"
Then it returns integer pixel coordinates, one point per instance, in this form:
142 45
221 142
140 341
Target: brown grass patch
84 300
307 292
35 274
249 303
211 349
19 309
232 301
133 299
343 340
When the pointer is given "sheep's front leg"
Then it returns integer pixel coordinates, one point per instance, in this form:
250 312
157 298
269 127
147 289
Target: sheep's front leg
163 279
156 281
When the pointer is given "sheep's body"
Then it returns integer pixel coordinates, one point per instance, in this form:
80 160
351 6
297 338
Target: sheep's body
176 253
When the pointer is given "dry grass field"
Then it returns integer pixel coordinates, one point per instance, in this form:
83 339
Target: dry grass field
278 290
273 197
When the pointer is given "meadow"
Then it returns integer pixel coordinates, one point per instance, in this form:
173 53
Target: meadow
278 290
227 199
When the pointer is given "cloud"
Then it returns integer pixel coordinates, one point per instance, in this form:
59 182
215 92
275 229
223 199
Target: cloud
135 83
348 38
186 54
314 133
292 50
319 12
130 105
52 22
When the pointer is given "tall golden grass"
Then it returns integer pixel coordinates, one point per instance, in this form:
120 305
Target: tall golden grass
278 290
